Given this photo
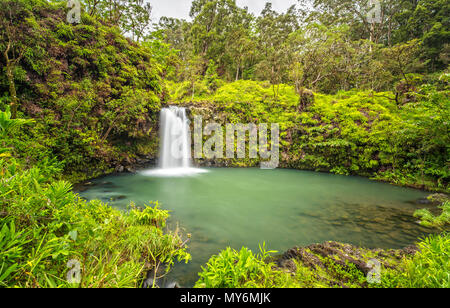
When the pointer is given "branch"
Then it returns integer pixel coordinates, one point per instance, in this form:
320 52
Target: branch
6 52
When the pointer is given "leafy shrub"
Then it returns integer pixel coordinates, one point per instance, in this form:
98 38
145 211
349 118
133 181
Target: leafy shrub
241 269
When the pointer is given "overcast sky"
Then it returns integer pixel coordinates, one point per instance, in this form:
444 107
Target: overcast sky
180 8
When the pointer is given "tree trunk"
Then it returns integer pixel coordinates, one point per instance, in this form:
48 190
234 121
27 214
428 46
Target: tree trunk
10 75
12 89
372 30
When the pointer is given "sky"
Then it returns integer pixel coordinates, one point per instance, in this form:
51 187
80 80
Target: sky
180 8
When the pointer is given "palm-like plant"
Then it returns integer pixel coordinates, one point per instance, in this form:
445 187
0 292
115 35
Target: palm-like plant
8 126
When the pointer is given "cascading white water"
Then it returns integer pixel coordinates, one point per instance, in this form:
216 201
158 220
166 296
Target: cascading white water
175 153
175 139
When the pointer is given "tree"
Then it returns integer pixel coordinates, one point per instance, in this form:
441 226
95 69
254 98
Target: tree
175 32
132 16
400 60
163 53
240 44
208 26
15 38
211 77
273 31
429 21
193 70
374 20
137 18
215 24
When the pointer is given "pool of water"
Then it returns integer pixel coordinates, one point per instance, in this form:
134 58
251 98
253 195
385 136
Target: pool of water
283 208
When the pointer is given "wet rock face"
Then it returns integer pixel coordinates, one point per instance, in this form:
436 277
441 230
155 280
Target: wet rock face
438 198
323 259
130 169
313 255
131 166
434 199
156 278
214 163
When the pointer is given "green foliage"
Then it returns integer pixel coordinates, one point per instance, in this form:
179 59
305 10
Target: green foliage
241 269
211 77
429 220
97 101
44 225
186 90
324 45
8 125
430 268
94 94
131 16
353 132
150 215
441 221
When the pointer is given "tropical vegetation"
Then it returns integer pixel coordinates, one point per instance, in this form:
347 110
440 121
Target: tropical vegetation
353 95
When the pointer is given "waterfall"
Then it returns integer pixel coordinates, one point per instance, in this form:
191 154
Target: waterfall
175 139
175 145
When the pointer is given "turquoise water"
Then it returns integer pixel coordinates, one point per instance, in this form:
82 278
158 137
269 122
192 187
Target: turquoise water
283 208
